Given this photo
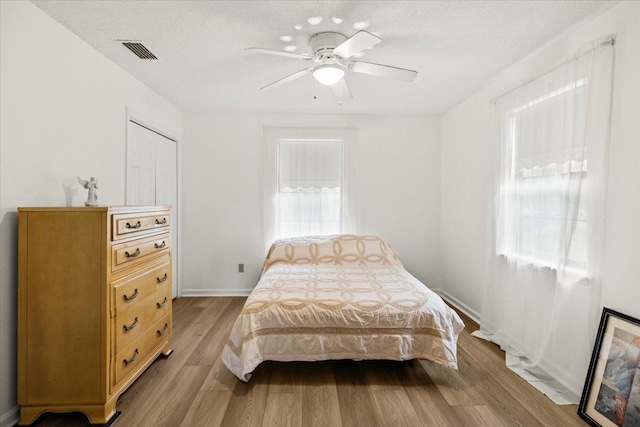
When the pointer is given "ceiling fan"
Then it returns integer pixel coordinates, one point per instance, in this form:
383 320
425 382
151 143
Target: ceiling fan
332 53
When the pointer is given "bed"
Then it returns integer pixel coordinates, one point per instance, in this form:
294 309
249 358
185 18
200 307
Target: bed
339 297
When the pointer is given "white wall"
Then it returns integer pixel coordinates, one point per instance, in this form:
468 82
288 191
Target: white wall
422 185
465 165
398 192
63 113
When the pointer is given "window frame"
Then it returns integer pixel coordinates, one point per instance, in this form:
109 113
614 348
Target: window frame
271 136
536 257
279 189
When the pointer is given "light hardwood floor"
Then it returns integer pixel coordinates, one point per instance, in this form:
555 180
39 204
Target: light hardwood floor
193 388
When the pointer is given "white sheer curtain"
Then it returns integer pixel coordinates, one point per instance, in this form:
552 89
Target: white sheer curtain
542 300
309 177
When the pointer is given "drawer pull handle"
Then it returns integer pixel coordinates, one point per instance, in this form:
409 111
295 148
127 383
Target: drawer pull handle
163 222
163 303
164 331
138 225
163 278
133 325
129 298
133 255
160 246
133 358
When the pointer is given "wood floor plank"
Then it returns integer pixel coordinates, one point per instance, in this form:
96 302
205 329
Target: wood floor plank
502 403
283 410
381 374
428 402
395 408
531 399
193 387
320 405
182 307
211 346
181 304
318 373
476 416
287 377
357 407
571 411
213 311
186 319
247 405
174 404
203 302
150 386
488 356
452 385
208 409
220 378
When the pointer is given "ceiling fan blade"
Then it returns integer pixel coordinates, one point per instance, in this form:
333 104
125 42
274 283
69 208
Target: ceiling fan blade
357 43
289 78
278 53
383 71
341 90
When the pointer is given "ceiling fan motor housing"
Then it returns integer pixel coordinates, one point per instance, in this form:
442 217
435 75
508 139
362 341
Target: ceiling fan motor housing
322 45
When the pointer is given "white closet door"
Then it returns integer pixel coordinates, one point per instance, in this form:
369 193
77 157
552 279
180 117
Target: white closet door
141 166
165 171
152 178
166 192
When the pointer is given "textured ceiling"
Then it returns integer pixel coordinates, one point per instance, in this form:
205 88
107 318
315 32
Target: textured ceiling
455 46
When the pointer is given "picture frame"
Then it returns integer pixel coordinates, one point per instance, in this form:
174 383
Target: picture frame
611 394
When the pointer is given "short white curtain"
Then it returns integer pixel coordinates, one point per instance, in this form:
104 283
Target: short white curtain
310 164
542 299
309 178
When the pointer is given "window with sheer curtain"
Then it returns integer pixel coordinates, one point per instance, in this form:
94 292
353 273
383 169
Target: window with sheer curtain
309 187
536 224
542 296
308 180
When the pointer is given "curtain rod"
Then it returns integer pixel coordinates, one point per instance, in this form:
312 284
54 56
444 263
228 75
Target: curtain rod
610 41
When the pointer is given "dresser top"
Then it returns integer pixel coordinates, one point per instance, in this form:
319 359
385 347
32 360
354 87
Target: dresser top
114 209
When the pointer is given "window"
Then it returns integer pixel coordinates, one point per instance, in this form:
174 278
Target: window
308 182
542 293
542 172
309 187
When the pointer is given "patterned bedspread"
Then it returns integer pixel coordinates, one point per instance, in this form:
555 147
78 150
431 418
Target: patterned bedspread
339 297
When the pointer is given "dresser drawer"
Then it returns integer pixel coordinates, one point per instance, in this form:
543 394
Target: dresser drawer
135 354
138 224
130 324
135 288
138 251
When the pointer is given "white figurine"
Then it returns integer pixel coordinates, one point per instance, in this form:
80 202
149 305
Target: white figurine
91 185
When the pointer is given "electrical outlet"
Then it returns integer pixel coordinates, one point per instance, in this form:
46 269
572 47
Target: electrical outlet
240 268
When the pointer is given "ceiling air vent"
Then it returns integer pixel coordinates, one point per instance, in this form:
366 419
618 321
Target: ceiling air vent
139 49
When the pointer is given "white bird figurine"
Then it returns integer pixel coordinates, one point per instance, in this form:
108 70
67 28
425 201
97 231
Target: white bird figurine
91 185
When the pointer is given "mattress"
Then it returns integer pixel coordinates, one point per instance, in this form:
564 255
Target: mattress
339 297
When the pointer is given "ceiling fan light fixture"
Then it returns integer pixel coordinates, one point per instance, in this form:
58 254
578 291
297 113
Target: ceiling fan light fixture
328 74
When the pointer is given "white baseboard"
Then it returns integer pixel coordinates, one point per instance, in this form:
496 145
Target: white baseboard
471 313
11 417
215 292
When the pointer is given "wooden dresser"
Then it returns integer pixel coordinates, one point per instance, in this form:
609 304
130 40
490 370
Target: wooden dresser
94 305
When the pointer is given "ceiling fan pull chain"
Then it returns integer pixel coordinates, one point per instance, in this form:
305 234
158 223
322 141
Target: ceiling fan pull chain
315 96
340 83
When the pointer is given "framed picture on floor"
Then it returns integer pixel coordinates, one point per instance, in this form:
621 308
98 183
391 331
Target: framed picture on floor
611 395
